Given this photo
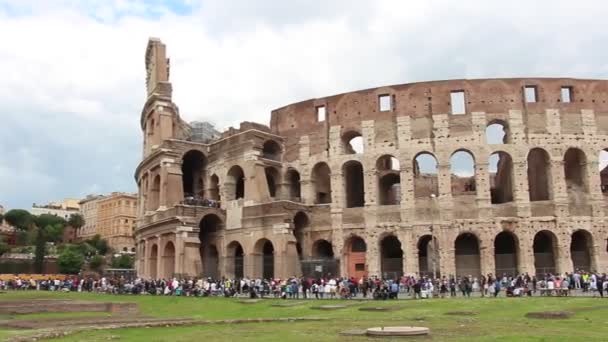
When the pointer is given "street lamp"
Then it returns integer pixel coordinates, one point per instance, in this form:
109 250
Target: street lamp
433 244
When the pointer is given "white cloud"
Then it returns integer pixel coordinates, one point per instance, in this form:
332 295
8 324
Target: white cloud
73 71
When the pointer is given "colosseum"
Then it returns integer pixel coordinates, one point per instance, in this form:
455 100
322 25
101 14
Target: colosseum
458 177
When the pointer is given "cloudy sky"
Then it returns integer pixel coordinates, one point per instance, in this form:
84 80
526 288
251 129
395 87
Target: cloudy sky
73 71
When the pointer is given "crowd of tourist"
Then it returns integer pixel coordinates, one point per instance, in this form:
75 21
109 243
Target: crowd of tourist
331 288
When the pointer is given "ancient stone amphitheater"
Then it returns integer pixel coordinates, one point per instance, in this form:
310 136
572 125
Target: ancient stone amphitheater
459 177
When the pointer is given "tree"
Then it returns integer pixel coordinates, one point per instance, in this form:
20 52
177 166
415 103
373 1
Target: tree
76 221
70 261
96 262
1 218
20 219
123 261
99 244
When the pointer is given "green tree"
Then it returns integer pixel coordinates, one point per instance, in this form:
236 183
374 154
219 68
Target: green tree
123 261
1 218
99 244
76 221
20 219
70 261
96 262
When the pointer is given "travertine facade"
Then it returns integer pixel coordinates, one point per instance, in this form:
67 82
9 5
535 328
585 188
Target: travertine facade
116 214
501 175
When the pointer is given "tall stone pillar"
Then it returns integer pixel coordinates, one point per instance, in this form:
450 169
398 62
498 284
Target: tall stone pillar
372 257
560 195
482 185
445 191
410 252
525 255
520 182
486 253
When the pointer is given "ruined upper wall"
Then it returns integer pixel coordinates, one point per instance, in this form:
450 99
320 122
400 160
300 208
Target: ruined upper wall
421 100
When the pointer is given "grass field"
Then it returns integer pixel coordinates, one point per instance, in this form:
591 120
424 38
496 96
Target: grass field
499 319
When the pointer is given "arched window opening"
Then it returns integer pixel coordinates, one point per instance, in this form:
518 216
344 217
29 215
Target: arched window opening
353 181
539 175
389 180
271 150
392 257
501 177
300 223
272 179
293 181
462 166
575 171
497 133
235 183
193 168
505 254
425 175
545 253
603 164
468 261
580 250
352 142
322 183
155 194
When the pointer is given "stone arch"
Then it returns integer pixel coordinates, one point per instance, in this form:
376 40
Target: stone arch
539 175
209 228
155 193
153 261
352 142
428 256
497 132
467 255
425 175
389 180
235 260
193 170
322 249
169 260
235 183
506 254
271 150
603 168
391 252
292 179
545 252
501 177
353 184
462 168
272 180
355 250
265 249
581 250
300 223
575 171
322 183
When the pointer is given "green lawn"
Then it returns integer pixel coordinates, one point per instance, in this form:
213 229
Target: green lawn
499 319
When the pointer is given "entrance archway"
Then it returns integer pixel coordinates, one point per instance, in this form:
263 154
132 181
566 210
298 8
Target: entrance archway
428 258
209 226
392 257
193 169
468 262
356 249
580 250
505 254
236 260
169 260
153 261
545 252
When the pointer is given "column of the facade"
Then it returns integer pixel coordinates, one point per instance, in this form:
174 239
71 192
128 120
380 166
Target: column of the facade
595 184
406 176
486 253
560 195
444 240
563 262
410 252
520 184
482 186
525 253
444 179
372 257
